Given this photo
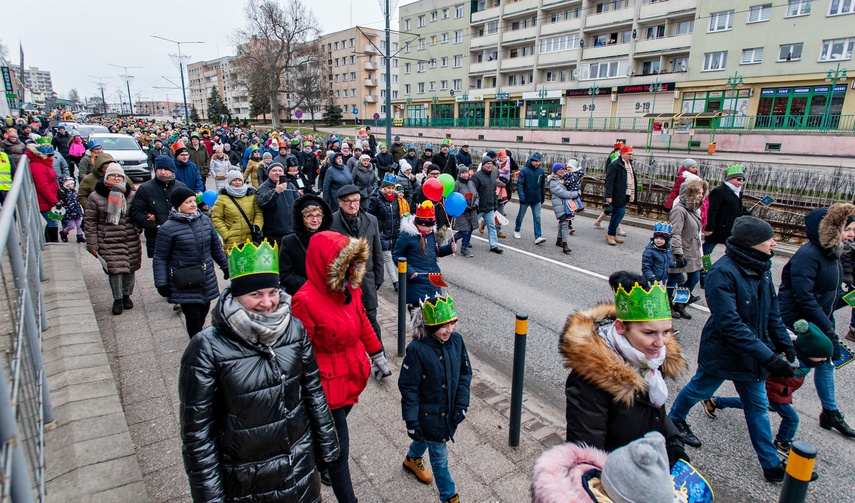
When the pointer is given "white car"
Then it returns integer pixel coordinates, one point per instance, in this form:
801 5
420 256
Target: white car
127 152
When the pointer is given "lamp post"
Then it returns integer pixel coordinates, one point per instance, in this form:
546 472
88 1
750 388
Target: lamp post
833 76
409 107
433 122
734 81
594 90
542 112
181 69
655 87
464 102
365 110
127 78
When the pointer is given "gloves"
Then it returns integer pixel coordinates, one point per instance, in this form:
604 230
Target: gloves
379 367
226 273
778 367
459 416
835 341
414 431
680 261
675 448
790 352
164 291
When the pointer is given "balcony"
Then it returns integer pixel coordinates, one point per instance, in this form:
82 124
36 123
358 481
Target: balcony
520 6
561 58
483 67
547 29
611 19
370 83
664 44
517 63
368 66
653 9
369 48
369 98
486 14
605 51
485 41
522 35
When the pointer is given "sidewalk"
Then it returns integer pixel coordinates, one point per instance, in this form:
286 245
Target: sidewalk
144 347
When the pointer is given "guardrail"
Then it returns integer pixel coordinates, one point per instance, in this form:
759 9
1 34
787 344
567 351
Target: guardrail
25 405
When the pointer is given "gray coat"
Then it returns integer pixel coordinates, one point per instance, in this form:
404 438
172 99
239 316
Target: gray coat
370 230
558 194
686 236
468 221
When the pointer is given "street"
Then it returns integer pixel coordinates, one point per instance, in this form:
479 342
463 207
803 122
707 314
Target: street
548 285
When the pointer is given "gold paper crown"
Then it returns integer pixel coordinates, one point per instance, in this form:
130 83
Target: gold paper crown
251 259
438 311
642 305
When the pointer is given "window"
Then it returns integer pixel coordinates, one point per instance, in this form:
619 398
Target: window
395 46
445 38
395 63
420 66
432 86
407 88
798 8
443 85
353 42
352 75
758 13
680 65
336 61
444 61
603 70
407 25
608 6
338 78
458 37
444 13
338 94
336 46
433 17
353 60
344 77
458 61
457 85
421 87
721 21
345 93
841 7
650 67
840 48
421 44
394 78
353 92
551 76
656 32
558 44
751 56
407 68
458 12
394 95
433 40
685 27
790 52
433 63
422 23
491 27
406 47
512 80
715 61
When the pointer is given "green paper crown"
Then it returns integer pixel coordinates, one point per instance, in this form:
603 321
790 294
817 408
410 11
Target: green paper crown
643 305
251 259
43 140
736 169
439 310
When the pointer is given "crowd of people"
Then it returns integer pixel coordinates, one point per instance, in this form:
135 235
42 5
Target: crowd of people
307 230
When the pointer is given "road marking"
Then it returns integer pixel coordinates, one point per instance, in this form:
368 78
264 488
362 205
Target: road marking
571 267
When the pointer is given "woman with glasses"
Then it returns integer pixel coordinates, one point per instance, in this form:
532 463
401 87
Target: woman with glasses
311 215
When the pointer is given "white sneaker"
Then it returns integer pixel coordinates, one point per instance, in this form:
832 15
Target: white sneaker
539 240
517 235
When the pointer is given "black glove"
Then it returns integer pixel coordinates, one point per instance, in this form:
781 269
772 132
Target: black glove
675 447
790 353
226 273
164 291
414 431
835 341
459 416
778 367
679 260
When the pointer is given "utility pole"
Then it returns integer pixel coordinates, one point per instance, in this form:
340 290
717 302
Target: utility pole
387 57
101 88
127 78
179 60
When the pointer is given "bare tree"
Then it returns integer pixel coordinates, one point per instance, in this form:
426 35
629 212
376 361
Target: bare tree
73 96
306 85
4 50
269 44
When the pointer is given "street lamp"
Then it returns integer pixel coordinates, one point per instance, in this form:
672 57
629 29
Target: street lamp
181 69
464 105
433 117
594 90
655 87
365 110
734 81
127 78
833 76
542 93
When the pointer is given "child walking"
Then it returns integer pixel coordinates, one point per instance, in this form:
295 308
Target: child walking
435 376
466 223
417 243
656 258
73 210
572 181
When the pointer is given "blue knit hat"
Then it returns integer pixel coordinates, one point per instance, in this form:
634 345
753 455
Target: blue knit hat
164 162
556 167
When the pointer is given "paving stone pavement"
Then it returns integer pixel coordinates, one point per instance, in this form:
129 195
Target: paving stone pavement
144 347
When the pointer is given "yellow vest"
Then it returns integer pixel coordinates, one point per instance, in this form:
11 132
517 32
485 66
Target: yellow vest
5 173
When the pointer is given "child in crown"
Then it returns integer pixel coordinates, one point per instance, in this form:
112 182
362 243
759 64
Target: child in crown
418 244
435 376
656 258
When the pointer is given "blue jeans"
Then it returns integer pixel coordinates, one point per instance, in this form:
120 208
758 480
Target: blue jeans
535 212
614 220
823 379
755 406
490 221
789 416
677 280
466 236
50 222
438 463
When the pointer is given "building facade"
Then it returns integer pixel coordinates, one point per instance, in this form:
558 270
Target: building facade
38 81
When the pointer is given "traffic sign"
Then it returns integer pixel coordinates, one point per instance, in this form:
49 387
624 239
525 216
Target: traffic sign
355 111
298 113
376 116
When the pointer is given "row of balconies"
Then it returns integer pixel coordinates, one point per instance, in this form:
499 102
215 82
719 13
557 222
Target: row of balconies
646 11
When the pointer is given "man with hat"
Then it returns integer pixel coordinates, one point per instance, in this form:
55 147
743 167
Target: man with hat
352 221
446 162
410 156
485 185
427 157
276 198
384 161
397 150
199 156
619 190
464 158
741 345
531 187
61 141
187 172
725 206
151 206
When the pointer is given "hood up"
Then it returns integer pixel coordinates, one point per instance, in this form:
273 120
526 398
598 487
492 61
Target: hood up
557 474
335 261
824 226
297 214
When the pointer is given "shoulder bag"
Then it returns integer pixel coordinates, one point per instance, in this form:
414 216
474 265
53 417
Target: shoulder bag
257 234
193 277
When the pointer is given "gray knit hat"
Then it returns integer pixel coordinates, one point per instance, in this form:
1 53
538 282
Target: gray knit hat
748 231
638 472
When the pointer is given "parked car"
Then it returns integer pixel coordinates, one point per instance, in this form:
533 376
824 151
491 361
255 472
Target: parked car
85 130
127 152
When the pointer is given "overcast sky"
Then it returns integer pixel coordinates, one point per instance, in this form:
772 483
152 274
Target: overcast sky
79 39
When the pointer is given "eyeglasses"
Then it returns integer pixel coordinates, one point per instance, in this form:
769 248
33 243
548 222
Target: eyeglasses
740 179
350 202
314 217
116 177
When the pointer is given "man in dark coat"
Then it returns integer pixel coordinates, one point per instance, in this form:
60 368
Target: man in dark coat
61 141
464 158
384 162
350 220
619 189
725 206
427 156
485 184
397 149
156 150
446 162
531 186
199 156
276 198
372 140
151 205
741 339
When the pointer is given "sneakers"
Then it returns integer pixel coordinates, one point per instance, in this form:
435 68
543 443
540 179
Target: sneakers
127 303
496 249
117 307
834 419
681 310
501 235
63 236
611 240
453 499
417 467
571 231
775 474
517 235
540 240
465 252
710 408
688 437
783 448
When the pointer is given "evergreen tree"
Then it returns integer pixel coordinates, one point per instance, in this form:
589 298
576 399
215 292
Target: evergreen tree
194 114
258 105
217 107
332 114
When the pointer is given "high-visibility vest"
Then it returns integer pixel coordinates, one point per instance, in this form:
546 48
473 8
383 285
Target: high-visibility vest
5 173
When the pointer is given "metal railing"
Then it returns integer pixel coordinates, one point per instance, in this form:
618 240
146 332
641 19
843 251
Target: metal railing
25 404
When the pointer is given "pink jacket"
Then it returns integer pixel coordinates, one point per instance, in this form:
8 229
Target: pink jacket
558 472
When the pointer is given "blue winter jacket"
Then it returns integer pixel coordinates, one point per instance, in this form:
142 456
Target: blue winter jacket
744 328
531 185
464 159
186 243
408 246
335 178
188 174
434 384
655 262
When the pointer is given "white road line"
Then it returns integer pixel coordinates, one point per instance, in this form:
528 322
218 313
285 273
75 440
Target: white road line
571 267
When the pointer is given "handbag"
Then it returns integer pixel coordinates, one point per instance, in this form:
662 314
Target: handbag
255 231
608 209
193 277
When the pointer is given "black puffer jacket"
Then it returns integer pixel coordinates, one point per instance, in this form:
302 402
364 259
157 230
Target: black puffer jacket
292 250
186 243
252 417
152 198
388 218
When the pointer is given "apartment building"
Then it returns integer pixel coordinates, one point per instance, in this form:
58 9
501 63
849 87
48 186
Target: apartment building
38 81
356 70
171 108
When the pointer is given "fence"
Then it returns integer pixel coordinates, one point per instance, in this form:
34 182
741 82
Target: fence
25 404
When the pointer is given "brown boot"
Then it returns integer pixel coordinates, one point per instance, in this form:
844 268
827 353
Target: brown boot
565 248
850 335
558 241
619 239
453 499
501 235
611 239
418 468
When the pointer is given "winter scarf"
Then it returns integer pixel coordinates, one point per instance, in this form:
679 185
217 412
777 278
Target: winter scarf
749 258
117 204
647 368
186 216
257 328
630 181
169 178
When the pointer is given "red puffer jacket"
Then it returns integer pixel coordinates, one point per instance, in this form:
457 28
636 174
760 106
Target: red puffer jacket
781 389
331 309
44 178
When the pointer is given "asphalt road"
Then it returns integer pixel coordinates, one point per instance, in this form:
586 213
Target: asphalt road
548 285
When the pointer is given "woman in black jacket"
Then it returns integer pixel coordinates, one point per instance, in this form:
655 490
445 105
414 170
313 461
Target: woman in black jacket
188 240
253 412
311 215
383 204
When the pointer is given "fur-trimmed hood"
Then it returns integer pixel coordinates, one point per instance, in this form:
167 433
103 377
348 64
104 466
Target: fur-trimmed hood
824 226
408 226
558 473
335 262
591 358
690 190
33 150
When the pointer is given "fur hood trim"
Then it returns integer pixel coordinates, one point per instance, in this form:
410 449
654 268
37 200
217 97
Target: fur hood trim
354 253
832 225
690 190
335 261
32 148
587 354
408 226
558 472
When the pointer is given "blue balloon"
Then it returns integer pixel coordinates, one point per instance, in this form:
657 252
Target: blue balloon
455 204
209 197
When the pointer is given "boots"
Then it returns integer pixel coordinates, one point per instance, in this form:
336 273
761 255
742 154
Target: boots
565 248
453 499
64 236
619 239
81 238
127 303
703 279
418 468
52 234
611 240
117 307
681 310
834 419
674 313
599 220
558 241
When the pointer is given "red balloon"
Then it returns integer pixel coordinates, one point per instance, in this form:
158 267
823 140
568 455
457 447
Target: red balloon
433 189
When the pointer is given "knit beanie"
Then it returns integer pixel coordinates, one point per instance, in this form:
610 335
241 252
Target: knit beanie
114 168
233 175
179 195
164 162
181 150
812 342
639 472
688 163
557 167
267 155
748 231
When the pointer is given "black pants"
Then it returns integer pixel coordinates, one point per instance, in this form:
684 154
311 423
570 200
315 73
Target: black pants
194 316
339 470
372 318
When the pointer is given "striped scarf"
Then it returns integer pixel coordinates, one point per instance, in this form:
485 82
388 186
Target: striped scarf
630 181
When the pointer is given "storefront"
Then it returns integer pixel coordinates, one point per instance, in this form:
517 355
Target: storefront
585 111
638 100
805 107
505 112
417 115
470 111
442 115
543 109
732 104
